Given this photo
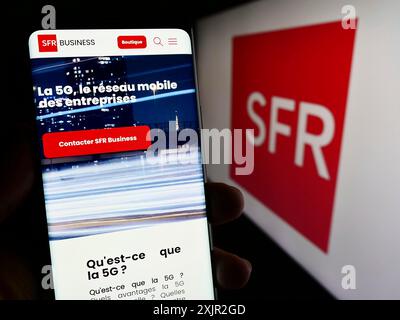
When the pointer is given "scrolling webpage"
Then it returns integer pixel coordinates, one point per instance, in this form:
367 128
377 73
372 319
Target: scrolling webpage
121 226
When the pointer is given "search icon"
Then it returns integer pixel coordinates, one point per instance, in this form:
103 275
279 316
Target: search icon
157 41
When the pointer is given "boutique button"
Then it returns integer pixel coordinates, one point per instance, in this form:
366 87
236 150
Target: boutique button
132 42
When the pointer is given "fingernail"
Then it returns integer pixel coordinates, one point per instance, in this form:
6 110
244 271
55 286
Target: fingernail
248 265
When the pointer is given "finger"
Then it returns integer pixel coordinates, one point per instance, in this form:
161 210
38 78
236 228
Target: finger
16 172
232 272
225 202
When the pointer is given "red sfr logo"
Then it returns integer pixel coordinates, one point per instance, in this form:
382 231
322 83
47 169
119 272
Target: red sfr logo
47 43
291 87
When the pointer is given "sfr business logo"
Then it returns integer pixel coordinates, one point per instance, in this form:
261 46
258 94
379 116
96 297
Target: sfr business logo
47 43
291 87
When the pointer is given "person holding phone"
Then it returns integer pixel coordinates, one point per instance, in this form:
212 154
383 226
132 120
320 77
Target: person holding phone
126 210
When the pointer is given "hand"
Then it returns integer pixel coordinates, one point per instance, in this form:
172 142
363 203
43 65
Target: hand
226 204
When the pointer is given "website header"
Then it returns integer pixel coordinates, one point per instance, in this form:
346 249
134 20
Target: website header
86 43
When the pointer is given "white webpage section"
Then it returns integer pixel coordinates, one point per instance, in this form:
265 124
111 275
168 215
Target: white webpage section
161 262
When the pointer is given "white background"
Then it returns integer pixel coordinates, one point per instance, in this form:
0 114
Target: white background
366 218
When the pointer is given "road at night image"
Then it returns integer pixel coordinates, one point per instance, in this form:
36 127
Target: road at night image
99 193
122 193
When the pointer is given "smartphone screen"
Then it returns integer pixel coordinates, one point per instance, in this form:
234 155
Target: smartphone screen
118 125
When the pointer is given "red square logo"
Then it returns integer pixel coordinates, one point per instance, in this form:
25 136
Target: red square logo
291 87
47 43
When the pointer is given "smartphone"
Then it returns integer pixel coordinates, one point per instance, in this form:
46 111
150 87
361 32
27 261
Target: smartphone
118 124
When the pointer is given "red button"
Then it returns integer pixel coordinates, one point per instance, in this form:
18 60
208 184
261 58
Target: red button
86 142
132 42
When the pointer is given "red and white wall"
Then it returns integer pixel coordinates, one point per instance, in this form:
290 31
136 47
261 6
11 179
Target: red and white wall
323 101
